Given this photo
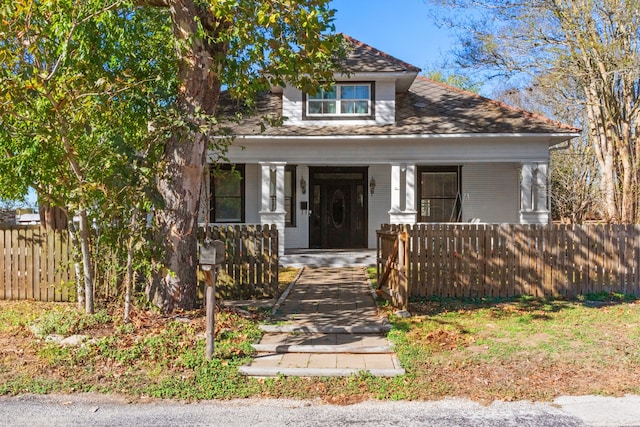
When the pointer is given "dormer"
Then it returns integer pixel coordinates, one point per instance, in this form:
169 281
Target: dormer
364 94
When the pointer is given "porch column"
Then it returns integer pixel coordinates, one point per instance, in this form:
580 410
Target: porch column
402 188
272 198
534 205
540 186
395 189
410 189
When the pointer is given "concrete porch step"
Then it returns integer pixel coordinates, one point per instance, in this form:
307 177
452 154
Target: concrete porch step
322 365
354 349
327 329
251 371
323 343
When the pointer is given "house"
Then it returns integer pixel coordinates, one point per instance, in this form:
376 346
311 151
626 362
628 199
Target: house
385 145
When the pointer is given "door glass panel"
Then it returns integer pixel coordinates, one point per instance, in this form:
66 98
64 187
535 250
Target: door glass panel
315 210
337 209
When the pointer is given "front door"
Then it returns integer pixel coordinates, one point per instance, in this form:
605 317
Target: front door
338 208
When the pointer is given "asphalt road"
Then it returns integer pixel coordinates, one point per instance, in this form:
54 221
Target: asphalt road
98 410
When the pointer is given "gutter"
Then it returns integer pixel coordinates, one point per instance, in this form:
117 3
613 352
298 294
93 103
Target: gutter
568 136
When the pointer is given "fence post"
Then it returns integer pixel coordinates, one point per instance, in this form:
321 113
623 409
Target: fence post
403 288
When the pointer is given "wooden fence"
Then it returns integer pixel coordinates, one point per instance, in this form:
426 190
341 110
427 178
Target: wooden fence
35 264
251 269
477 260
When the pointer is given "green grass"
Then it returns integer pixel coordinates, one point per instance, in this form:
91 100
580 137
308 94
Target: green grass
67 320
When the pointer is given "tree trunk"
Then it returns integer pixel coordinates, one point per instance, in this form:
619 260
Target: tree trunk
77 262
174 285
604 155
129 278
53 217
85 249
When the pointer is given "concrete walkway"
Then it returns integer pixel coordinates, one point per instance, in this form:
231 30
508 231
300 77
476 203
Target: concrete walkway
326 326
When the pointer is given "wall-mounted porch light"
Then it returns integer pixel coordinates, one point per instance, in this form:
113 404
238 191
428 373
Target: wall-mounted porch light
372 185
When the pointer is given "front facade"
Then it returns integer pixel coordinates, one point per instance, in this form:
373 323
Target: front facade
384 145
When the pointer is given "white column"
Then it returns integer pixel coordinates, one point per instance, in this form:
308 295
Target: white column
280 188
526 197
540 185
267 215
395 189
265 186
407 192
411 189
534 208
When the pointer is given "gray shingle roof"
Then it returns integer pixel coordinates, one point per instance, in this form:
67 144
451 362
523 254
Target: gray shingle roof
428 108
363 58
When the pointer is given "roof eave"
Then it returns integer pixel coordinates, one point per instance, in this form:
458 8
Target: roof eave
552 138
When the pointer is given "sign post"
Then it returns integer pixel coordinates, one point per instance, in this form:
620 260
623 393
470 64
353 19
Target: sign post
212 256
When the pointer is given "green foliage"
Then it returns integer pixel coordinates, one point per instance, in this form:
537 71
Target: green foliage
86 79
27 384
608 296
67 321
456 80
77 100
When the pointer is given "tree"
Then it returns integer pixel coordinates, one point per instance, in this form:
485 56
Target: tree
76 92
456 80
91 91
248 46
590 44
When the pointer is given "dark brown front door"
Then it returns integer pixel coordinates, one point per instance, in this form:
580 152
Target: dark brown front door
338 208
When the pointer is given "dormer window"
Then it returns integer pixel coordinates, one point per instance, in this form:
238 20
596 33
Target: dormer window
352 100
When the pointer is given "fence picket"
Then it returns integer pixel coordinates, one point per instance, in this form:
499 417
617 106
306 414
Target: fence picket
422 263
635 288
571 280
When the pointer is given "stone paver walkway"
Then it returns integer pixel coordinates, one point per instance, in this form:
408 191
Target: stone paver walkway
326 326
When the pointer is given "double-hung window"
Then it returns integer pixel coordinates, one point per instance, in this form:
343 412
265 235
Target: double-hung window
227 194
439 194
353 100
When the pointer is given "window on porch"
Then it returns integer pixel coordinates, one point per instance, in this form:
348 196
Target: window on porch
290 195
439 194
227 194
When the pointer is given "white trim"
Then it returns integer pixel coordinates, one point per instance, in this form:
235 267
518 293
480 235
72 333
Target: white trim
411 136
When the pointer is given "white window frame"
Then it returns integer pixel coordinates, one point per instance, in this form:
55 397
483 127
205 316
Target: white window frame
338 100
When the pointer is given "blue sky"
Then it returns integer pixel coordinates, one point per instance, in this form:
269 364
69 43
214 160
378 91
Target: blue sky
402 28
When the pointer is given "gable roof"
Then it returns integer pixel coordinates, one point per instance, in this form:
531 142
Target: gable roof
363 58
427 108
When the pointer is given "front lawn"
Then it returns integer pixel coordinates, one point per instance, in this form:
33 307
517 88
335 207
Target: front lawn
488 349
